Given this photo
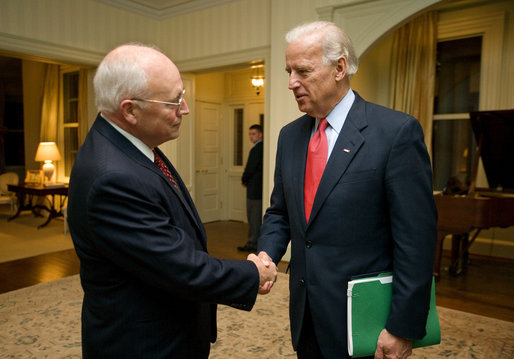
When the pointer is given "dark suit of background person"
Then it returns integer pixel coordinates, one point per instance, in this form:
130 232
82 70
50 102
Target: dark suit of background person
150 287
252 180
373 211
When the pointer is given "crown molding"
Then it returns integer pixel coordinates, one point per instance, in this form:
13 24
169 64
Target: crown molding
219 62
43 51
167 10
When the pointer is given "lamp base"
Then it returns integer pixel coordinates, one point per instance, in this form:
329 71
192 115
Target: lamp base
48 171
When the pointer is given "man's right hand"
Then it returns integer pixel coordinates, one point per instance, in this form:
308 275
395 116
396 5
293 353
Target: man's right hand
267 273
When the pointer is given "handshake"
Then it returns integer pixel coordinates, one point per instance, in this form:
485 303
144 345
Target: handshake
267 271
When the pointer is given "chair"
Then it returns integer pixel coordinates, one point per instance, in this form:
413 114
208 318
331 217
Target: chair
7 197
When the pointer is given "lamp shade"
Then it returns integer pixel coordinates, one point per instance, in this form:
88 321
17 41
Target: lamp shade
47 151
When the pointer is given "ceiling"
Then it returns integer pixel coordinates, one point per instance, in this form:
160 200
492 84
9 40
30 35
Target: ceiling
163 8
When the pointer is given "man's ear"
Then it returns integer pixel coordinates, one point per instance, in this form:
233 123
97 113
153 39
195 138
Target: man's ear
128 109
341 68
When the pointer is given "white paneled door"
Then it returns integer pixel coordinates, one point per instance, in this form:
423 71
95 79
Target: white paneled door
208 161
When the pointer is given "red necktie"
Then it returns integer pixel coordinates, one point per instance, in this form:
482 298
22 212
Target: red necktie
162 166
316 161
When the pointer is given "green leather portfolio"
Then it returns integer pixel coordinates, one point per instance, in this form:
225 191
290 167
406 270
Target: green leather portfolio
369 301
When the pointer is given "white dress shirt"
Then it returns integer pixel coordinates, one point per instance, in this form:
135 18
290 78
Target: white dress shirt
140 145
336 119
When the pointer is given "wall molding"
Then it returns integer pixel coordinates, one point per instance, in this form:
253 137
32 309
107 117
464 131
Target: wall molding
223 62
44 51
367 21
487 247
163 12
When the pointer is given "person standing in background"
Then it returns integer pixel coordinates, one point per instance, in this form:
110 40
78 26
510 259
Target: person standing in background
252 180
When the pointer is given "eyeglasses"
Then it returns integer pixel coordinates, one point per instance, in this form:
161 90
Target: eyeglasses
180 100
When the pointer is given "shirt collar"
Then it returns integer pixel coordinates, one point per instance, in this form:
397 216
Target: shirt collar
337 116
140 145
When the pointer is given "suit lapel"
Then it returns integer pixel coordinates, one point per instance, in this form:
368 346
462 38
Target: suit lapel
346 147
124 145
301 141
183 194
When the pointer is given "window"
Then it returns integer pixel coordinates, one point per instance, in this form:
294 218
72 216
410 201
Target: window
456 94
12 148
70 119
238 137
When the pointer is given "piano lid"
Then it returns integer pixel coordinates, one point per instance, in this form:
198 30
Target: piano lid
497 131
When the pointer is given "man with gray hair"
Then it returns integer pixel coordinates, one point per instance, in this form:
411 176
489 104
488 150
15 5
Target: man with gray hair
353 195
150 287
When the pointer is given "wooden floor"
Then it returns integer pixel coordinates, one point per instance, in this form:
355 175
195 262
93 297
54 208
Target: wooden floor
486 288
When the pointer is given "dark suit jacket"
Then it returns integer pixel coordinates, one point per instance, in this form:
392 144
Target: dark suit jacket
374 210
150 287
252 175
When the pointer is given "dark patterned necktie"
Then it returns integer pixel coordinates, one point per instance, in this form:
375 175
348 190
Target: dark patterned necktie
162 166
316 161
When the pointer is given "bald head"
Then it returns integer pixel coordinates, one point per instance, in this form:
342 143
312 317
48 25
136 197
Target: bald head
139 89
127 72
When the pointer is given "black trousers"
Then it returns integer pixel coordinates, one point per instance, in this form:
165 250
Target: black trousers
308 347
254 215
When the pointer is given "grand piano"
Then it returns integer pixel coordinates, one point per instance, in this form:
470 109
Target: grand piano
464 216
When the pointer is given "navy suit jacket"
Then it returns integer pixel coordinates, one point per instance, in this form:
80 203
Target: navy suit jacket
150 287
252 175
373 211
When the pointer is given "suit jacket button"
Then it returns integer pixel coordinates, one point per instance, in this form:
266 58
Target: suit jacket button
302 282
308 244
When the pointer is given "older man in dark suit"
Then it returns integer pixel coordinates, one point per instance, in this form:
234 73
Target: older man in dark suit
150 287
353 195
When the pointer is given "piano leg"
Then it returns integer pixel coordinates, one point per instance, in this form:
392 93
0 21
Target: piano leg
459 253
439 253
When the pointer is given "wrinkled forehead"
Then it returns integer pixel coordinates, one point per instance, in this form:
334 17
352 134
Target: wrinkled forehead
306 46
302 56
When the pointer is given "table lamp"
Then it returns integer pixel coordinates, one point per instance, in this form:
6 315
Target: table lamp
48 152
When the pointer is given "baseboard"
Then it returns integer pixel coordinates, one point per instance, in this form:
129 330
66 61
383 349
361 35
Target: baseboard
487 247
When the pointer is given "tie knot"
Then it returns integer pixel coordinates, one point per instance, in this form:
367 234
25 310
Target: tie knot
323 124
159 162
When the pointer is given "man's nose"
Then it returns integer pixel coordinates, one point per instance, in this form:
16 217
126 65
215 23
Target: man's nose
293 82
183 108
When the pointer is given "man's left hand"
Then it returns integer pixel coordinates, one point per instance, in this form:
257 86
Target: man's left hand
390 346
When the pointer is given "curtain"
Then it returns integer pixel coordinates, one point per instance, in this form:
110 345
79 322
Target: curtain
82 103
50 107
413 70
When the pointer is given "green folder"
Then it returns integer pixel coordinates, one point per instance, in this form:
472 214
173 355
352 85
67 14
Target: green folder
369 302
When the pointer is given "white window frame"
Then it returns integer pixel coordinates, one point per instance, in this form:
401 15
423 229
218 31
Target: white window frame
65 69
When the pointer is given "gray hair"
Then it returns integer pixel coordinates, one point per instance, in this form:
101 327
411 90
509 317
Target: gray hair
334 42
121 75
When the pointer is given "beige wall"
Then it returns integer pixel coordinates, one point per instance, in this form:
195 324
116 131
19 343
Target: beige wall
210 87
372 79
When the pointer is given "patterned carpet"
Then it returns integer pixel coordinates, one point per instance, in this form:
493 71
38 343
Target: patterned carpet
43 321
